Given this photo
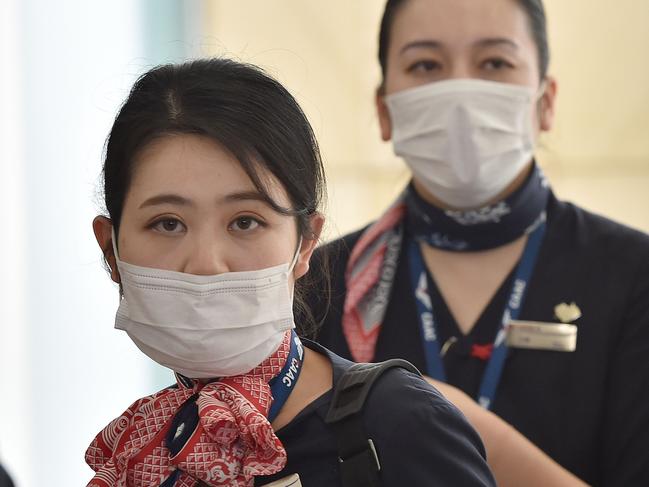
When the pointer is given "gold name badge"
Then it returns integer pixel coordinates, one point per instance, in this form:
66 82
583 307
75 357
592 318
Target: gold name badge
538 335
290 481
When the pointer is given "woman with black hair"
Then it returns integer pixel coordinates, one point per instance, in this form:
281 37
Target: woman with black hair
532 307
5 480
212 185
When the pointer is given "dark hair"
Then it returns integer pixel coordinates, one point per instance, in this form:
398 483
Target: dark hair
533 8
237 105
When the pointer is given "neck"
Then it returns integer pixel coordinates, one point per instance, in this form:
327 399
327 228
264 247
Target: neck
511 187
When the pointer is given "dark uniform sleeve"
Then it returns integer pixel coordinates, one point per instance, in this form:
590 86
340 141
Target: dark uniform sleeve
421 438
625 442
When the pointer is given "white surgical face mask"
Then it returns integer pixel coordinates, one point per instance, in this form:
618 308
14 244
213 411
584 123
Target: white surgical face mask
465 140
206 326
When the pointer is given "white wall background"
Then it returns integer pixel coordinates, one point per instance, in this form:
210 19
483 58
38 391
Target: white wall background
64 371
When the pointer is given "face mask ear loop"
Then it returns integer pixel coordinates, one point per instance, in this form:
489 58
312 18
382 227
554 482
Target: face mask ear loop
114 242
296 256
539 99
292 264
541 91
117 261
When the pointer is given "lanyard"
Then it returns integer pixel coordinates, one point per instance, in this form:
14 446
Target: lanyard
282 384
493 372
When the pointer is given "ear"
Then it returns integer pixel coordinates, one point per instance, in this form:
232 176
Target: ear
546 104
308 246
103 228
383 113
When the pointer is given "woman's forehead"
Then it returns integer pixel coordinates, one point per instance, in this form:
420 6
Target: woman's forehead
452 23
197 167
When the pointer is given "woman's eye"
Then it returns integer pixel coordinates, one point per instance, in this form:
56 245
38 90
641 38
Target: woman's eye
169 225
496 64
424 66
244 223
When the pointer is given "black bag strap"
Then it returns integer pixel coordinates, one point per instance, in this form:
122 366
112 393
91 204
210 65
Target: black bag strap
359 461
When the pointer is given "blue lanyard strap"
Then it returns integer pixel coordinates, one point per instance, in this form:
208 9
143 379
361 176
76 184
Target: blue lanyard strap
434 365
495 366
282 385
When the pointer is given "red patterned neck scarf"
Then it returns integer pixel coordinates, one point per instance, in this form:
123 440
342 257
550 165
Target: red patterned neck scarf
232 443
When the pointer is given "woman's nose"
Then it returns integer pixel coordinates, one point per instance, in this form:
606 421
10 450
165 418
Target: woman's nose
206 258
460 70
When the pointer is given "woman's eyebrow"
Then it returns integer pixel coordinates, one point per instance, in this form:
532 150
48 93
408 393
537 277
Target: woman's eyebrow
245 196
429 44
167 199
486 42
496 41
175 199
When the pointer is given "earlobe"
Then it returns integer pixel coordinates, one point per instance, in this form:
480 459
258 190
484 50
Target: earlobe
385 124
103 228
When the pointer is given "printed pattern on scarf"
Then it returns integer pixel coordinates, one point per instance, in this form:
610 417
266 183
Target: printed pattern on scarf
486 214
369 281
233 442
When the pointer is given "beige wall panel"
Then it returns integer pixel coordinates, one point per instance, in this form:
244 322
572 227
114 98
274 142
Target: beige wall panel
325 53
600 58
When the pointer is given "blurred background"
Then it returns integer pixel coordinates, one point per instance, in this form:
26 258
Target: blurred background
66 67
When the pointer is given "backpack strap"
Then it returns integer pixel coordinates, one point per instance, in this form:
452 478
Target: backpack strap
359 461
